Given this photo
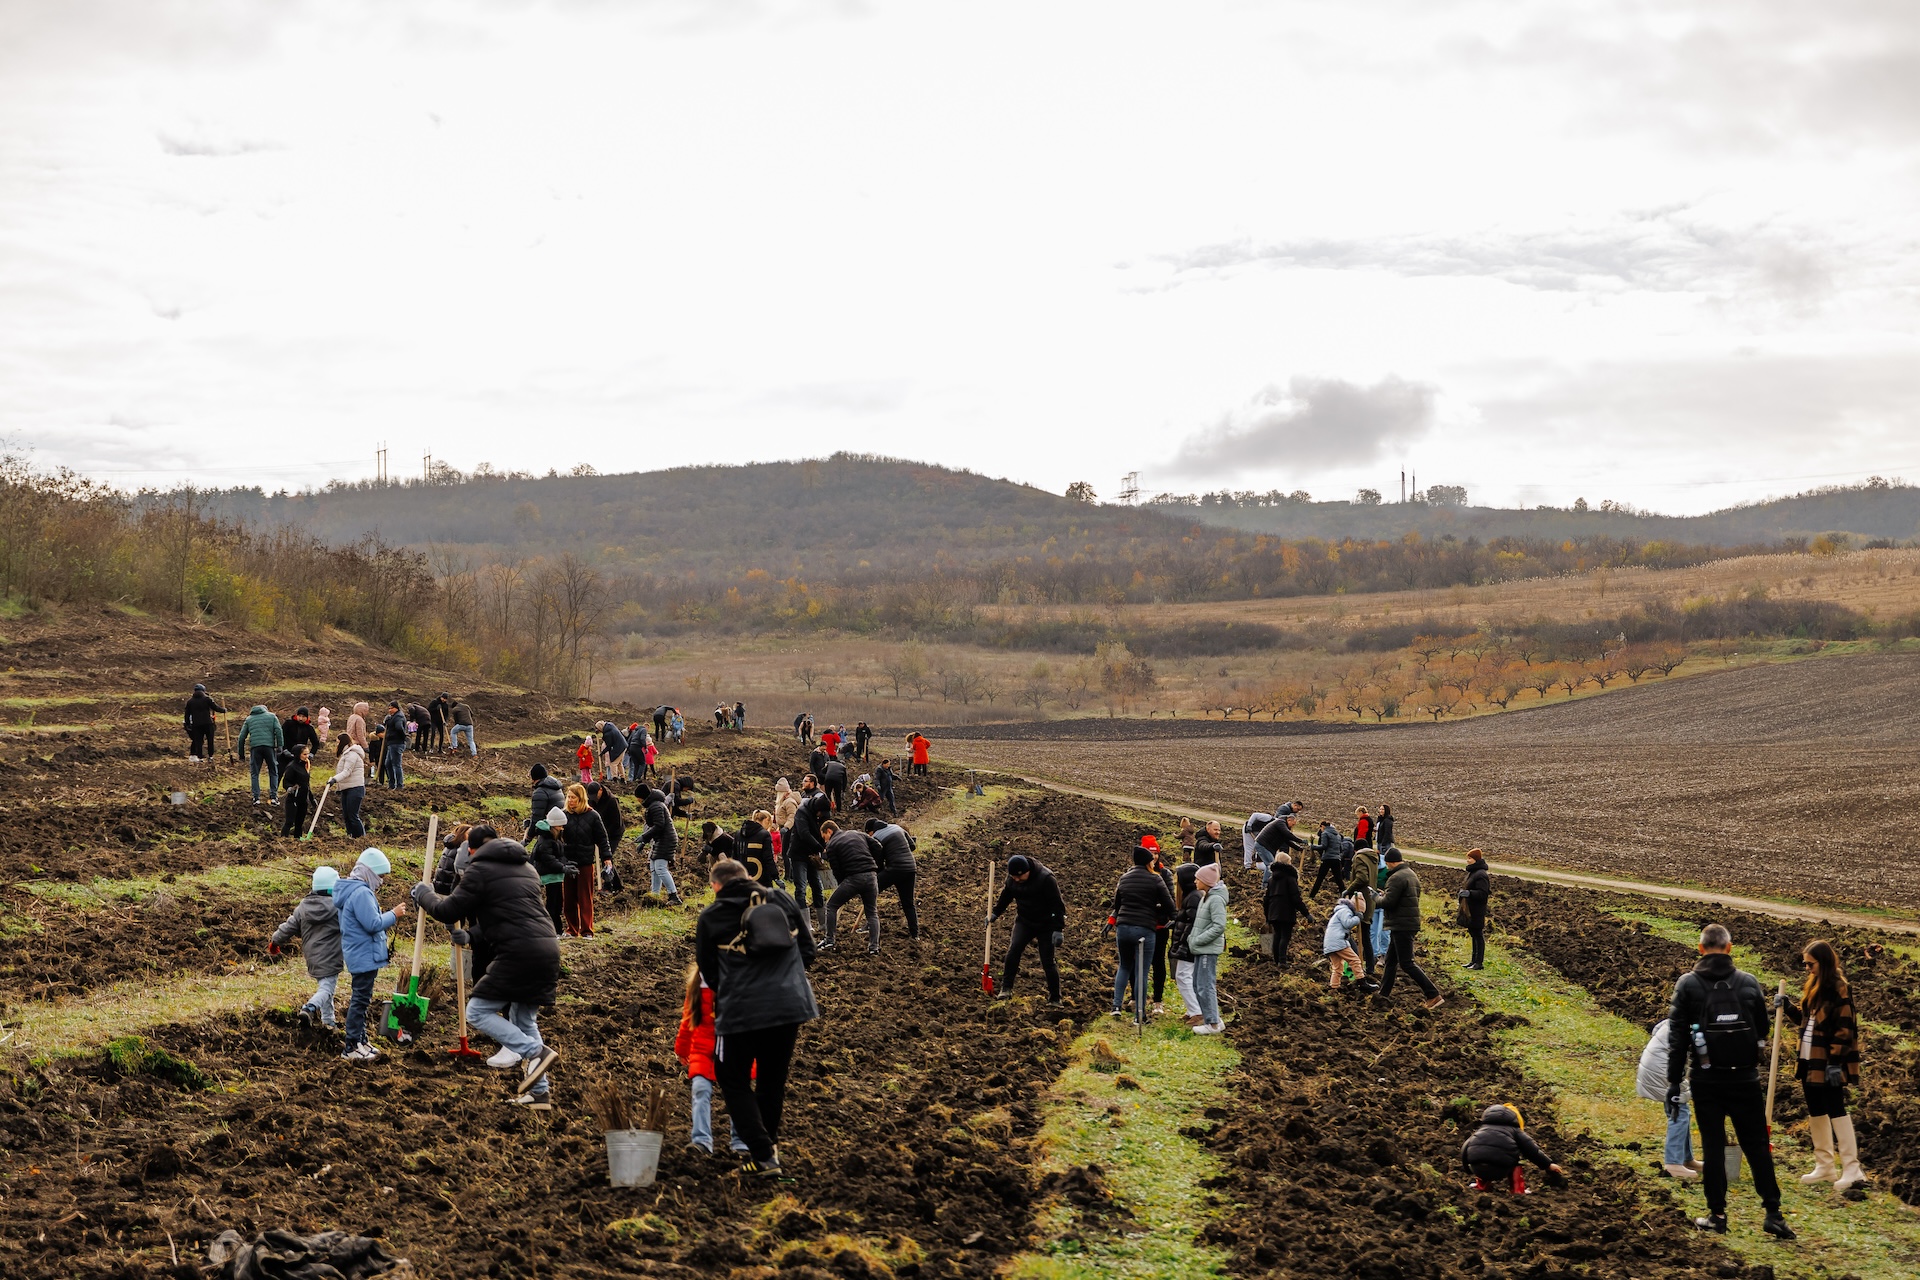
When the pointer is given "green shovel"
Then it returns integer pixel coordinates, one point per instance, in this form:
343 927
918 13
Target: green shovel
407 1011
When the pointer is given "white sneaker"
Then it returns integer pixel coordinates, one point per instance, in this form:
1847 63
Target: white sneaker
1208 1029
361 1053
504 1058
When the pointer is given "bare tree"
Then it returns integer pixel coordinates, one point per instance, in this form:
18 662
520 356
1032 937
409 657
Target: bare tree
806 674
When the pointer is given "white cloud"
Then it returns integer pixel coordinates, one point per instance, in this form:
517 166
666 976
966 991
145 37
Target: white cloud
1311 426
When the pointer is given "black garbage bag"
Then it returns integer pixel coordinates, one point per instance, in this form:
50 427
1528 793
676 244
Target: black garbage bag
282 1255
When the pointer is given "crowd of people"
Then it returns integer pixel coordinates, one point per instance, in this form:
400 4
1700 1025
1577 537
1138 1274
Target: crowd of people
782 880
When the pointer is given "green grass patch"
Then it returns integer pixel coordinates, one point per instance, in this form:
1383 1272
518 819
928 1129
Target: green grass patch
1587 1058
133 1056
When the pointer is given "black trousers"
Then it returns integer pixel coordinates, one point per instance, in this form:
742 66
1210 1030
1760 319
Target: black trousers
902 881
1282 938
200 741
295 809
1160 937
1023 933
1477 927
1400 956
866 887
1823 1101
556 912
751 1069
1744 1102
1328 869
1366 944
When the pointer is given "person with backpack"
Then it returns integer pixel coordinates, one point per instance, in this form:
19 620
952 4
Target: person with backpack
1328 844
753 947
1473 905
261 739
1716 1027
898 870
317 926
1493 1151
1650 1082
1040 919
198 720
1400 903
1283 905
1207 940
1140 905
1828 1061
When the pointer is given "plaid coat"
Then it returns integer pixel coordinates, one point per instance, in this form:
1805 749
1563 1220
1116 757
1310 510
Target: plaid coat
1836 1037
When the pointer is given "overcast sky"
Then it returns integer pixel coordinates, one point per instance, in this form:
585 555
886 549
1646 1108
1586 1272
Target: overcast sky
1663 253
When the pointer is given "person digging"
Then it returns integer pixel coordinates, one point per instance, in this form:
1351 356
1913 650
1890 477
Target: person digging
501 894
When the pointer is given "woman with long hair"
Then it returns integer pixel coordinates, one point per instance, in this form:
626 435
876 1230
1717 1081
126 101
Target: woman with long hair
585 846
1828 1061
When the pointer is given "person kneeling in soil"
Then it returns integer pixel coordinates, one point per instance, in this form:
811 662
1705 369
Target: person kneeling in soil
1041 919
1206 940
318 928
363 943
695 1047
500 893
753 946
1494 1150
1337 945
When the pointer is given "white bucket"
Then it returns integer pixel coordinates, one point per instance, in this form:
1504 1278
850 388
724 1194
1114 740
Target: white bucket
1733 1164
633 1157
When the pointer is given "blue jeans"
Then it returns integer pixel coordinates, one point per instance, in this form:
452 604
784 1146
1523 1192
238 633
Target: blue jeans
321 1001
357 1006
466 731
1206 978
702 1135
391 765
518 1030
350 801
1128 938
1680 1137
1379 933
268 757
662 878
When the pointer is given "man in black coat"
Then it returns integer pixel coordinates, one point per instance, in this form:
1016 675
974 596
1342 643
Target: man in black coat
1729 1011
297 731
855 858
439 711
898 870
1283 905
395 742
198 721
1041 918
833 780
807 842
501 893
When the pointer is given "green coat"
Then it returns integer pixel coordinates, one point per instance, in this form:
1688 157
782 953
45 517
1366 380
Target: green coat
1208 937
1401 901
261 729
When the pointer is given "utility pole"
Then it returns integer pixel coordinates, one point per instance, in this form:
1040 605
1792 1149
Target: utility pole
1403 486
1130 488
380 459
426 468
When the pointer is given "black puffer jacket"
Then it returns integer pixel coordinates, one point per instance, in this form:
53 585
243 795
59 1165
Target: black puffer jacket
1038 900
814 808
1205 849
853 853
608 807
817 764
834 776
659 832
755 849
1277 837
502 895
548 794
1478 889
548 855
297 733
586 837
1141 899
895 849
752 994
1283 901
199 711
1501 1142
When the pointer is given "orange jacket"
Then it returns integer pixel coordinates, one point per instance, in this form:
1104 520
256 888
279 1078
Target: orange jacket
694 1045
920 749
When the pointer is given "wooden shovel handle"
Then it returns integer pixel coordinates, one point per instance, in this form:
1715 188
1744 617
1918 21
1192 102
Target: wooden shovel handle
426 877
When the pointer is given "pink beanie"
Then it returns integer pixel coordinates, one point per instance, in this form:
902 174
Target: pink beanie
1207 876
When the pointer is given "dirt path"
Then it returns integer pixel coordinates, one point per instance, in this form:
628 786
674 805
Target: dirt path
1548 875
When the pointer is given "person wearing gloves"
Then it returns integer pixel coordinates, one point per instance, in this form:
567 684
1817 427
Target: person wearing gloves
314 923
658 842
1650 1082
586 844
350 782
1828 1061
1337 945
1282 904
1207 940
1473 901
1140 905
1041 918
260 742
549 855
363 944
1494 1150
500 893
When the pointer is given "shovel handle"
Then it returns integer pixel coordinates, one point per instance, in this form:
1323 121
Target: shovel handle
986 953
324 791
426 877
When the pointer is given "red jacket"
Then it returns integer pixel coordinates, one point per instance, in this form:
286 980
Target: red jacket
920 749
1362 829
830 742
694 1045
584 754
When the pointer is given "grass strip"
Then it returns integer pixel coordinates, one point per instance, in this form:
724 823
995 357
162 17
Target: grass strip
1587 1059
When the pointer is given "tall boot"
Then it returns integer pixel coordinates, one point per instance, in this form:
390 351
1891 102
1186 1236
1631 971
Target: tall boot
1850 1171
1821 1127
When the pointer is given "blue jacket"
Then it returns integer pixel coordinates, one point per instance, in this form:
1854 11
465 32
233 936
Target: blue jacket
363 926
1340 929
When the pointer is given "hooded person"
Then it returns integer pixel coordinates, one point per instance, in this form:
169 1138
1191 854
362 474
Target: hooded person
363 943
1207 940
323 726
1494 1150
1040 918
1187 902
197 719
357 725
1283 904
317 927
500 892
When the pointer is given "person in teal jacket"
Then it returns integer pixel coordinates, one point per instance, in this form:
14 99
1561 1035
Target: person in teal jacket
260 740
363 943
1206 940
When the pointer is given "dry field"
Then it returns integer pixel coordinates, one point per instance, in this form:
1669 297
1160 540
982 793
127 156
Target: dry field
1792 779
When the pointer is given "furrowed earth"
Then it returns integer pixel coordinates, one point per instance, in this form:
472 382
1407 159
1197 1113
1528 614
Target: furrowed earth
157 1091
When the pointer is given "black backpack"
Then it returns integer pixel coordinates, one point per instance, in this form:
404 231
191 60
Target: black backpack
764 930
1732 1040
